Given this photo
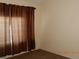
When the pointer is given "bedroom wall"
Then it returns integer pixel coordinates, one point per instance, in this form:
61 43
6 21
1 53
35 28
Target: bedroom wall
33 3
59 27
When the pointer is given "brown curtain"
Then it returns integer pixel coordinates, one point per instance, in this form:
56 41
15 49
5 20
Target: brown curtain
17 29
5 44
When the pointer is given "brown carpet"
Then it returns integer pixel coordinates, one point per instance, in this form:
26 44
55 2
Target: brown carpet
38 54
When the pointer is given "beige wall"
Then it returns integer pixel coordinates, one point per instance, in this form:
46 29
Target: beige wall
59 27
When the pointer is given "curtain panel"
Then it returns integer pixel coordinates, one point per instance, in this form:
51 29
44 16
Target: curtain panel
16 29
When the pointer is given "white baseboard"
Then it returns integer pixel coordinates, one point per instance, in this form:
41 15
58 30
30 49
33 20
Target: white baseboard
8 56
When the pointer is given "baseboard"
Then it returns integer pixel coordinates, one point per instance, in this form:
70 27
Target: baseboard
8 56
56 53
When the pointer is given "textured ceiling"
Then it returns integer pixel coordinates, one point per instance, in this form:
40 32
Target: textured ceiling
36 2
23 2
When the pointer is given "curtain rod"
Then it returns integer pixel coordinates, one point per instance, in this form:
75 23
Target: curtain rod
17 5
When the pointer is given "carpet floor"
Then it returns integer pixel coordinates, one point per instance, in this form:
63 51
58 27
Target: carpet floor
38 54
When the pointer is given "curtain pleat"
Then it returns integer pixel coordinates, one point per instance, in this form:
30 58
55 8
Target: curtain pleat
7 31
30 25
5 45
2 30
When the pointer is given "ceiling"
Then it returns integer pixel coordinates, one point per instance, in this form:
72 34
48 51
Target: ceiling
23 2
